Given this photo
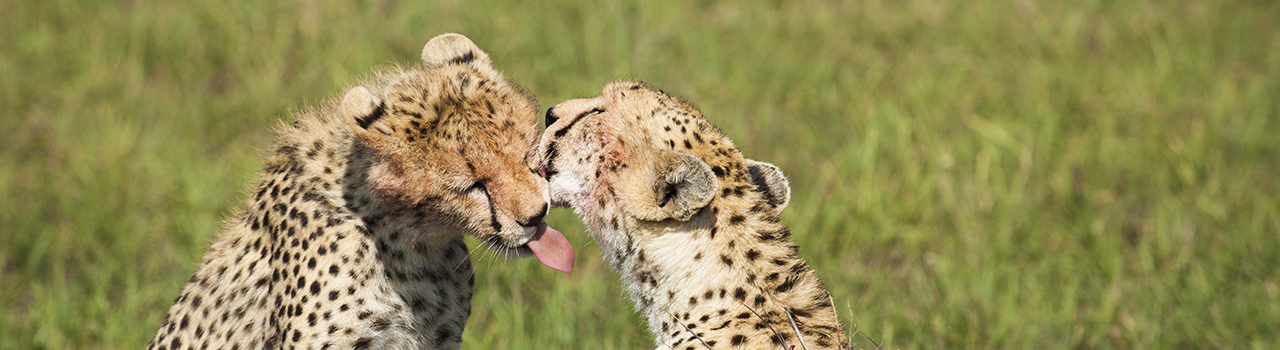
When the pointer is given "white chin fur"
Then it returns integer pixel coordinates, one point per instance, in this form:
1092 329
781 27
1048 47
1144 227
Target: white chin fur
563 188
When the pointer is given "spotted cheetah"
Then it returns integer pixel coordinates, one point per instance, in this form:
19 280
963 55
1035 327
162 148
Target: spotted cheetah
690 225
354 236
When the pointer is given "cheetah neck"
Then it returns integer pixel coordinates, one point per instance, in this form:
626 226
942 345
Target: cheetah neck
728 276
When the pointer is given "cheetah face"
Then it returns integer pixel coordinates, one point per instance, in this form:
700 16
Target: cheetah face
449 142
636 156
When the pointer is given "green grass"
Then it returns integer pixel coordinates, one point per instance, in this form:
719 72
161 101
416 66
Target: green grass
975 174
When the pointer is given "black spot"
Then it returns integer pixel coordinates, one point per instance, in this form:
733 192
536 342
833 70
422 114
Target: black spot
718 170
726 260
443 334
736 219
362 343
286 150
381 324
740 294
785 286
801 313
378 113
465 58
752 254
738 340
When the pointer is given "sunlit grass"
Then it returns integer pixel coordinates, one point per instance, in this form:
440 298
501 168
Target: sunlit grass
986 174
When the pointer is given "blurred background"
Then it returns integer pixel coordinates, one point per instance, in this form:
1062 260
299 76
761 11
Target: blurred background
965 174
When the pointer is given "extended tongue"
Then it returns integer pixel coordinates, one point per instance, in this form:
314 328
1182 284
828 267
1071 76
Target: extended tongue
552 249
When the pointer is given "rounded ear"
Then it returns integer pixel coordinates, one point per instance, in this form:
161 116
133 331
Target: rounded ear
769 181
361 109
452 48
682 184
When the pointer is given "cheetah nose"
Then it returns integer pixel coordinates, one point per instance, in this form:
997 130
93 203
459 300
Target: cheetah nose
536 219
551 115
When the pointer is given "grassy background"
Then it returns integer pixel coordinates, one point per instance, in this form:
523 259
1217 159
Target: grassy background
980 174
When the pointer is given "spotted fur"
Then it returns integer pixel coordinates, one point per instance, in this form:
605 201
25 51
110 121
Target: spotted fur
353 237
691 226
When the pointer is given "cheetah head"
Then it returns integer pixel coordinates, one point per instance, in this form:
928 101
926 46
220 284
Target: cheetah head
449 142
637 157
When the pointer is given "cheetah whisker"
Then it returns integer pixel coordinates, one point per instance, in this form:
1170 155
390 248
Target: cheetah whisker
463 261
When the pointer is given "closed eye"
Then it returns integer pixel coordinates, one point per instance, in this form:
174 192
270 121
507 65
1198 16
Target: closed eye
477 189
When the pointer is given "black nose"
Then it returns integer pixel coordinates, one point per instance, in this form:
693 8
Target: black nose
536 219
551 116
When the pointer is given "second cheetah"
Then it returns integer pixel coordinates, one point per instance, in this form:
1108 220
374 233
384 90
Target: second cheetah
691 225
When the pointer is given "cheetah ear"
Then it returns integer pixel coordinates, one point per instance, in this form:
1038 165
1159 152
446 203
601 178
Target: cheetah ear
452 48
682 185
769 181
361 109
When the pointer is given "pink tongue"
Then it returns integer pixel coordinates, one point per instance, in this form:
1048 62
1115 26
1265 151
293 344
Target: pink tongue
552 249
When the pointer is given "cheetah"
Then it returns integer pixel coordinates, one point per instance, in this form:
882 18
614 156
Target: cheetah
353 237
690 224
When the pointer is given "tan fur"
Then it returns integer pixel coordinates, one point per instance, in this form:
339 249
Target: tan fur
354 235
691 225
